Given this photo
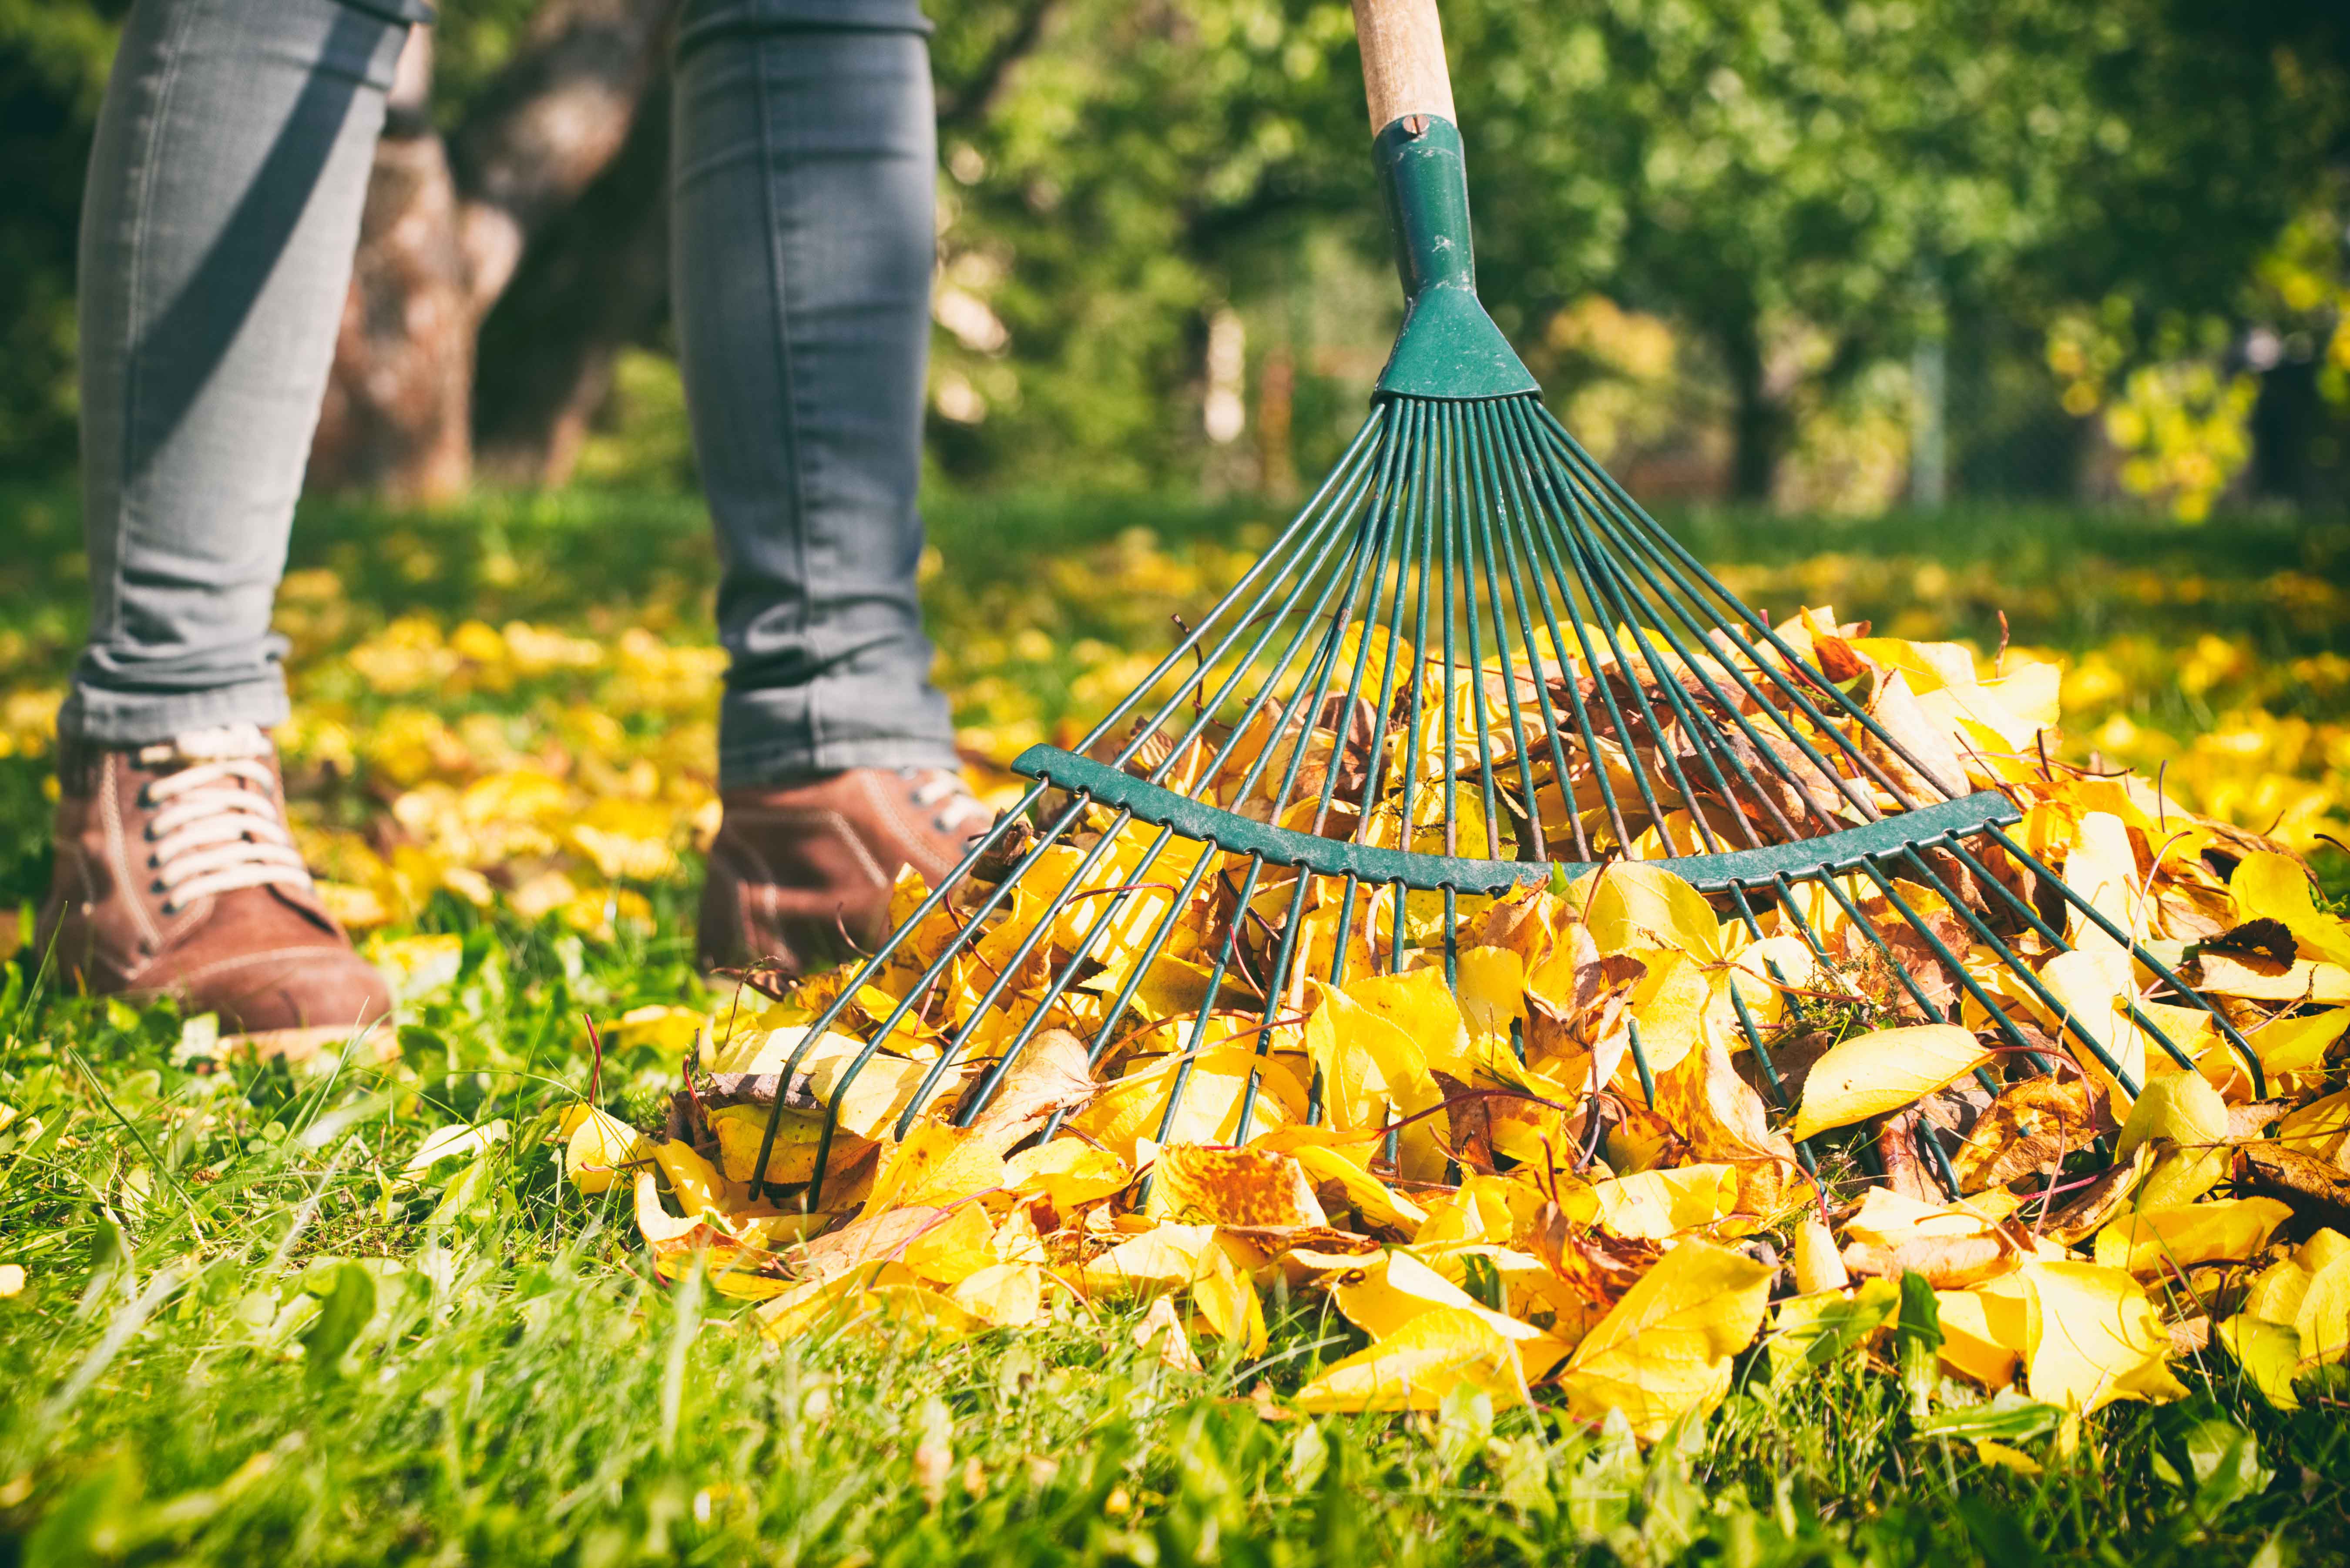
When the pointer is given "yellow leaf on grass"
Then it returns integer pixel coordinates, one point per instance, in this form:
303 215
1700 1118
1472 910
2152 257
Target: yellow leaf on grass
2160 1242
1007 1295
1882 1071
1066 1172
2324 1319
2272 886
1818 1266
1983 1333
2182 1107
1665 1348
1631 906
2091 1337
1232 1186
1431 1356
1134 1107
1373 1073
1161 1258
1395 1287
598 1146
1223 1296
668 1029
2270 1354
1651 1205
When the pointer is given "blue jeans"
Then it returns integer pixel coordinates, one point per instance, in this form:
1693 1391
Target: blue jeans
222 209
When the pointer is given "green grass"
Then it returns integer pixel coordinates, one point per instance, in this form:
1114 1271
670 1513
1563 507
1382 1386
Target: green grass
249 1335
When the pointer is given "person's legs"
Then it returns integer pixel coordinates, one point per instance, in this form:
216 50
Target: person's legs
805 175
222 211
805 178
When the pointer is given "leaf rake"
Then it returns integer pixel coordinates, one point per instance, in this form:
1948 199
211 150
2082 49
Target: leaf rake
1471 664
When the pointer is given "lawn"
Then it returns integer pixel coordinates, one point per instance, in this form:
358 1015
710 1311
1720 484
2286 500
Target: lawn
256 1325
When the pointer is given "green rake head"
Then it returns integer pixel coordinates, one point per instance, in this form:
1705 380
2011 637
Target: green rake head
1471 663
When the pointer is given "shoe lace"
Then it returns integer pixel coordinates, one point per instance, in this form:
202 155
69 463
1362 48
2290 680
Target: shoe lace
955 811
217 826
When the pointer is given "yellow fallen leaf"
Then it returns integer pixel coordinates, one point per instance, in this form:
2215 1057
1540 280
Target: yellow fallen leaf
12 1280
1008 1295
418 966
1887 1218
1134 1107
1883 1071
2182 1107
598 1148
2267 886
1372 1073
2323 1318
2007 1457
452 1142
1426 1359
1065 1172
1983 1333
2095 987
1232 1186
1817 1265
1164 1257
2159 1241
1393 1287
667 1029
1229 1303
2298 1045
1633 906
1652 1205
1665 1348
2270 1354
2091 1337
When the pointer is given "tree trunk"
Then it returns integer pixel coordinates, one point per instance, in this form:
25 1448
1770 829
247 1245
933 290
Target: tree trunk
1759 421
395 415
446 228
595 282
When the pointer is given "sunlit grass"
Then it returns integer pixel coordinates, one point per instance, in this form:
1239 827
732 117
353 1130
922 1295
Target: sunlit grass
249 1331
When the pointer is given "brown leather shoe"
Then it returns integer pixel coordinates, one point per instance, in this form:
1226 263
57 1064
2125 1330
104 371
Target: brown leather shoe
176 874
801 874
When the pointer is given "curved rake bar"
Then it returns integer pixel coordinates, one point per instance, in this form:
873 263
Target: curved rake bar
1888 838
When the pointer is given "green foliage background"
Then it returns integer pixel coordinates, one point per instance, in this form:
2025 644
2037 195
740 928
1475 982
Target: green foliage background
1871 169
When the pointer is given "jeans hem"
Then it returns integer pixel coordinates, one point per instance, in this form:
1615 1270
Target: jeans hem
121 719
767 766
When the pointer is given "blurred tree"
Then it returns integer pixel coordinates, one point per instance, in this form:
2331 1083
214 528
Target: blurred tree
449 222
1797 185
1802 182
53 63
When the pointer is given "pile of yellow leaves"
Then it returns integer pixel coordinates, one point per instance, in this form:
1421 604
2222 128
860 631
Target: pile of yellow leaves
1560 1160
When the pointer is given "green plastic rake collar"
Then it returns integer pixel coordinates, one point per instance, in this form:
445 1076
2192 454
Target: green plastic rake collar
1448 348
1887 839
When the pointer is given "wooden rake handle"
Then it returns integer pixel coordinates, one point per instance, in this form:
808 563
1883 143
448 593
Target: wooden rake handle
1403 60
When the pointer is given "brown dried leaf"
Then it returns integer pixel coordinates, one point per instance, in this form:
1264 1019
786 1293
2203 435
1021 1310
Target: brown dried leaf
2318 1192
1949 1262
2028 1129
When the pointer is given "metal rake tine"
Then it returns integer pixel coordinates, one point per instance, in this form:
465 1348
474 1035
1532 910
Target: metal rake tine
1512 522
